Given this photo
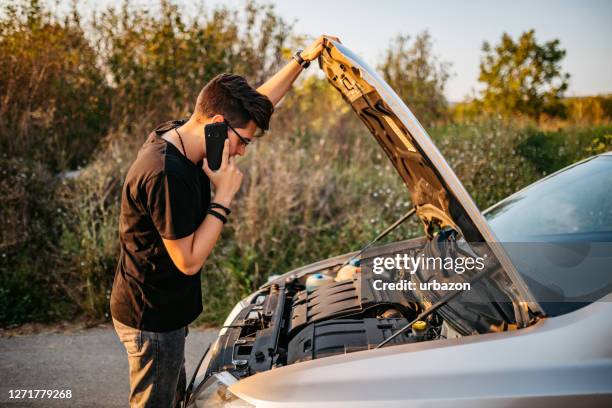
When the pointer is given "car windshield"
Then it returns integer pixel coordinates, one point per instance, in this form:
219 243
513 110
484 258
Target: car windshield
558 232
574 204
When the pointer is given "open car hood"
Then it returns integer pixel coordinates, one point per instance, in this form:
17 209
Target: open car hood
440 199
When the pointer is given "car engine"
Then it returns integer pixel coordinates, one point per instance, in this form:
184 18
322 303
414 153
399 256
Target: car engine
287 322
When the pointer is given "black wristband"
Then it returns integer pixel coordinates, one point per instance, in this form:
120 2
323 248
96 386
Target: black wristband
217 205
217 214
298 58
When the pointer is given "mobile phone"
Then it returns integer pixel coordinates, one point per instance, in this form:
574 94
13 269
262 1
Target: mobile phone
214 136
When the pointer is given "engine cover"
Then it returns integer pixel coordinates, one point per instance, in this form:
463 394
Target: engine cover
339 336
342 299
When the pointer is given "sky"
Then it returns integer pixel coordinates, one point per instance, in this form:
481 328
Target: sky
458 29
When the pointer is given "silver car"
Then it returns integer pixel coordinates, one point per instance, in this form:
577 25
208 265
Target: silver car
533 328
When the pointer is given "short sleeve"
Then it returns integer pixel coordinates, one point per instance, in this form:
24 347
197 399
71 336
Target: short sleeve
170 205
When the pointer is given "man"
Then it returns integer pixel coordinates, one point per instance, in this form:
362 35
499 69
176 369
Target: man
168 226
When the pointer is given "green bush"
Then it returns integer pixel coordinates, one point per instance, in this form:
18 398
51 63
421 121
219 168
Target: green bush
484 156
28 231
551 151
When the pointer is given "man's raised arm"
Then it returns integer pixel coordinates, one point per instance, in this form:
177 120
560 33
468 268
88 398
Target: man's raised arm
280 83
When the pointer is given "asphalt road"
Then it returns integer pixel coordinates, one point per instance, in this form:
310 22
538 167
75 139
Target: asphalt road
91 362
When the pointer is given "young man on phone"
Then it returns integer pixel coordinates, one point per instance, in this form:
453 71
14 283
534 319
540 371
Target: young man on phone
169 225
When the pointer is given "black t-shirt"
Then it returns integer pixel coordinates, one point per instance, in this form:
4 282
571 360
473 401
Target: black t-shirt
165 195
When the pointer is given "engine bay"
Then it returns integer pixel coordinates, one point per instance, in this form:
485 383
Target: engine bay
291 321
333 307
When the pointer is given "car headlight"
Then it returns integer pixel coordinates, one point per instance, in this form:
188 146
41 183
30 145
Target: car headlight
203 368
215 393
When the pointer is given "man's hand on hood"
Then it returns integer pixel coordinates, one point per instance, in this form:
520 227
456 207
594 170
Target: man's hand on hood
314 49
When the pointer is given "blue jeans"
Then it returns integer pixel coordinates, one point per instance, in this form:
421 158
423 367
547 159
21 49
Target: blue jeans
157 365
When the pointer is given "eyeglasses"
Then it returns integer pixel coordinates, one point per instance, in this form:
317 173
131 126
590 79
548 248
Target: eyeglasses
244 140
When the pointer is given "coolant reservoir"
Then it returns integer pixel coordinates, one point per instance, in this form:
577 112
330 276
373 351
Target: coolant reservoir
316 280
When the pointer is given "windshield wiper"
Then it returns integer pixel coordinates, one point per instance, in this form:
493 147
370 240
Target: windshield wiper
443 300
380 236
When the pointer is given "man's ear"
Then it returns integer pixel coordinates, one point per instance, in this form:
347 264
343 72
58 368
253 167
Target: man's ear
217 119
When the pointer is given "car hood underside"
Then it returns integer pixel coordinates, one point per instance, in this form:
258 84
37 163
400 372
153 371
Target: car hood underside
440 200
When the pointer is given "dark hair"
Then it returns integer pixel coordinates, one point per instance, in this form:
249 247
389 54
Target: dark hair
231 96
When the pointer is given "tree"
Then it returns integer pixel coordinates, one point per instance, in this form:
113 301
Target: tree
157 62
417 76
54 102
523 77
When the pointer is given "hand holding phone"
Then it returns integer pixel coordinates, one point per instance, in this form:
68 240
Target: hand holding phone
214 136
227 179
